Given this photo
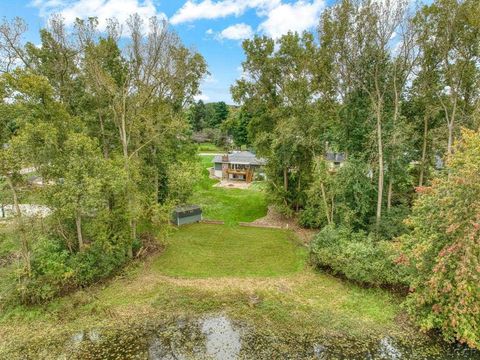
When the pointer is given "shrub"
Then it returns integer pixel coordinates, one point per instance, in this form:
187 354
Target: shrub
51 272
443 249
392 224
309 218
349 191
357 256
96 262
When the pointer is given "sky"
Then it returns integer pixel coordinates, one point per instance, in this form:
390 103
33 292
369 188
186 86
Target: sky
215 28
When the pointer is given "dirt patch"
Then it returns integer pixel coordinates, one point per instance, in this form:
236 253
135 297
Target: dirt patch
9 258
274 219
215 222
233 184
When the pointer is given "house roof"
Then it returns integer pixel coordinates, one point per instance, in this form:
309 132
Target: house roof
240 157
335 157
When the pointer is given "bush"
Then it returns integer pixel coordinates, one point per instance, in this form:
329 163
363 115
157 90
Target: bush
357 256
443 249
350 191
309 218
392 224
51 272
97 262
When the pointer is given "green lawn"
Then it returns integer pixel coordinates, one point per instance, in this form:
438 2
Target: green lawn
254 275
205 250
229 205
209 147
8 242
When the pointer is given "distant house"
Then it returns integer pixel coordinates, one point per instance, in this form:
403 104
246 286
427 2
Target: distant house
237 165
335 160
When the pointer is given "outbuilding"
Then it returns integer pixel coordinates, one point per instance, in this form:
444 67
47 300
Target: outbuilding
186 214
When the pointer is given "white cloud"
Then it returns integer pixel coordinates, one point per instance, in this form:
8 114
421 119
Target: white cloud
202 97
236 32
279 16
209 32
298 16
208 9
102 9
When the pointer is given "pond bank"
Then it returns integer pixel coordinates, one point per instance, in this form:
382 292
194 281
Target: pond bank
216 336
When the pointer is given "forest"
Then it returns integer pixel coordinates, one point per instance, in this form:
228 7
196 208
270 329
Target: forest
396 91
105 128
108 120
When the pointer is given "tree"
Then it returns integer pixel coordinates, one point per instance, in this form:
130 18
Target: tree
443 249
197 116
237 126
79 193
9 170
103 123
220 114
137 85
281 100
448 33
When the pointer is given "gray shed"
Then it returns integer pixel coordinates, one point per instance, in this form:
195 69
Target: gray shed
186 214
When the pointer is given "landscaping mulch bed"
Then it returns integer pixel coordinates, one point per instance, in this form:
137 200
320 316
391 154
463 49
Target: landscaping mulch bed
274 219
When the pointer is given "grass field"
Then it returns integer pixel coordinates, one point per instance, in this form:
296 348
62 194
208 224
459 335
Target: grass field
261 279
257 276
209 147
203 250
229 205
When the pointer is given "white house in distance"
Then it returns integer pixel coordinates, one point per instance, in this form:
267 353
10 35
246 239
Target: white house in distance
237 165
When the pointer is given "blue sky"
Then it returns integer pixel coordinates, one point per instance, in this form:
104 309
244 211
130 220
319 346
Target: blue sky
215 28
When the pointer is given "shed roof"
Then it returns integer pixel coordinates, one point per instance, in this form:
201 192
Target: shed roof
335 157
240 157
187 208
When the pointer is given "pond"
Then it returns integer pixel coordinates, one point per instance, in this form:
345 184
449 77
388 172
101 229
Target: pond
218 337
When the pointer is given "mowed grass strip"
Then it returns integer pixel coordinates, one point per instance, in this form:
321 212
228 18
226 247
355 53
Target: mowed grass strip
229 205
206 250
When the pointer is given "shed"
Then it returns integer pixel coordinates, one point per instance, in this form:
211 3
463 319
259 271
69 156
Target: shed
186 214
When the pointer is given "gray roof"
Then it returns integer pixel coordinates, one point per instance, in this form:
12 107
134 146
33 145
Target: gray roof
187 209
335 157
240 157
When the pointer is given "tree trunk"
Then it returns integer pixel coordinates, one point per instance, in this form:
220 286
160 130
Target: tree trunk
424 150
325 202
332 208
380 165
285 179
130 195
104 140
156 179
450 125
133 226
389 194
396 106
21 229
450 139
297 205
78 223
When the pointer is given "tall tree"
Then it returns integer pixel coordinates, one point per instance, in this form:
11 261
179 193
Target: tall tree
448 34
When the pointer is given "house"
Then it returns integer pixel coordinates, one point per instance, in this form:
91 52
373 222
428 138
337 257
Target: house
334 160
238 165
